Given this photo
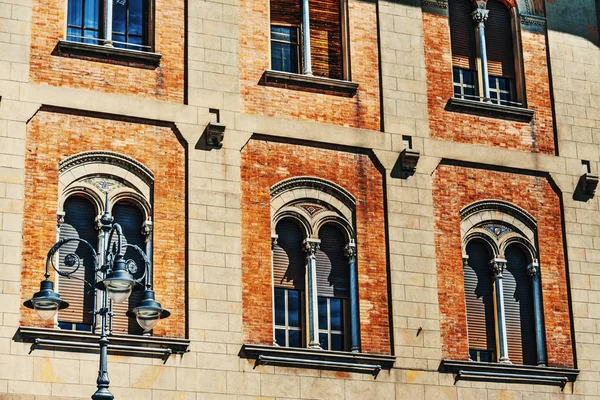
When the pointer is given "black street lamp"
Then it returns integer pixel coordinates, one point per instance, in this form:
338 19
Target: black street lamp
116 283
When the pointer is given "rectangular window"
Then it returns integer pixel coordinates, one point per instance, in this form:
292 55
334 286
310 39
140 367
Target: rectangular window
465 83
502 91
288 317
284 48
128 29
331 323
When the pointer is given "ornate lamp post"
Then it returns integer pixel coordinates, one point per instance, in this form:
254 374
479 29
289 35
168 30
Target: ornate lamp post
113 276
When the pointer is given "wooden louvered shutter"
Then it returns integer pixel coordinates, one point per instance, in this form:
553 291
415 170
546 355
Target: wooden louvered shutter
286 12
518 308
499 41
479 298
462 34
288 258
326 38
131 219
79 222
333 273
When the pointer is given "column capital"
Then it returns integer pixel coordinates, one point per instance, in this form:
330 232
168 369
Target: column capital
480 15
533 269
350 250
60 218
147 228
274 241
497 266
311 246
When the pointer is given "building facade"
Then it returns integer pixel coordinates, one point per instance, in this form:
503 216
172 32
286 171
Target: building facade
340 199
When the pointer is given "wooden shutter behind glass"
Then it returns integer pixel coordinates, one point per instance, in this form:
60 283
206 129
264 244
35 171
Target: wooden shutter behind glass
131 219
79 222
286 12
479 298
333 274
326 38
518 308
462 34
499 41
289 260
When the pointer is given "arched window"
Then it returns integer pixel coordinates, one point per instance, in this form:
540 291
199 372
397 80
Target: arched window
484 65
314 265
85 180
502 284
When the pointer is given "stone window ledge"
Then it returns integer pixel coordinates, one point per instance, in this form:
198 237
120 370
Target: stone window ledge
508 373
308 83
133 58
317 359
490 110
144 346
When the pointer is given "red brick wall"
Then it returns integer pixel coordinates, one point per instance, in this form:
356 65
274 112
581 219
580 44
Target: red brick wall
164 83
537 136
360 111
266 163
454 188
51 137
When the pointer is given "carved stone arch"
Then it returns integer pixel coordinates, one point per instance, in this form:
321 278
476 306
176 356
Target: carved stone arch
528 248
297 217
343 225
125 195
490 243
81 189
490 210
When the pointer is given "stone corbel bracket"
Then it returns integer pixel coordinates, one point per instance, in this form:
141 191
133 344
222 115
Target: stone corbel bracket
589 183
215 133
406 165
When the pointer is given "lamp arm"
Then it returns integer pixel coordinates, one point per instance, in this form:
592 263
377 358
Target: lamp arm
115 227
71 259
147 277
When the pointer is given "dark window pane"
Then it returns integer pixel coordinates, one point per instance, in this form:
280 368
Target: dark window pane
322 312
65 325
473 354
92 11
457 91
323 341
503 84
72 34
455 75
83 327
75 15
119 16
336 314
279 307
295 338
469 92
135 40
119 38
280 337
294 308
492 81
337 342
467 77
135 17
485 356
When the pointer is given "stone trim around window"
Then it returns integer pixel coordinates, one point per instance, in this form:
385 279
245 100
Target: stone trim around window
490 110
308 83
508 373
317 359
132 58
145 346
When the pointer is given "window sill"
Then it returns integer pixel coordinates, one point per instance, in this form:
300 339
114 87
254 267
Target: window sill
308 83
133 58
490 110
317 359
144 346
508 373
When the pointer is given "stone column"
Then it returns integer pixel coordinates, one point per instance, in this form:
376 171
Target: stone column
533 270
498 265
307 63
350 251
109 24
274 238
480 16
310 247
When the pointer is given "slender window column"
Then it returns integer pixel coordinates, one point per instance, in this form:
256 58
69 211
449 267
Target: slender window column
350 251
274 238
533 270
310 247
109 23
307 63
480 16
98 298
498 265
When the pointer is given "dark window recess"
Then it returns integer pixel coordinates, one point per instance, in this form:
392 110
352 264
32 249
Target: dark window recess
479 299
462 34
79 222
284 49
131 219
518 308
85 21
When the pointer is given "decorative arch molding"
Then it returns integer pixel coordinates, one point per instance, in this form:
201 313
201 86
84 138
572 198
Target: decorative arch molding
128 180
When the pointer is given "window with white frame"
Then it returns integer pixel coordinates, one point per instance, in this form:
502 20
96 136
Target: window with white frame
119 23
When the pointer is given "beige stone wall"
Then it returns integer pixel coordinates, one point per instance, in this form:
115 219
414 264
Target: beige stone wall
212 369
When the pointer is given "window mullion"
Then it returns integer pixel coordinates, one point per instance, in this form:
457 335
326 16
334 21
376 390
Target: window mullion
533 270
109 23
498 266
480 16
307 63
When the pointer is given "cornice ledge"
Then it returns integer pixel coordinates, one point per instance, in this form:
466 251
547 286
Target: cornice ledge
107 103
